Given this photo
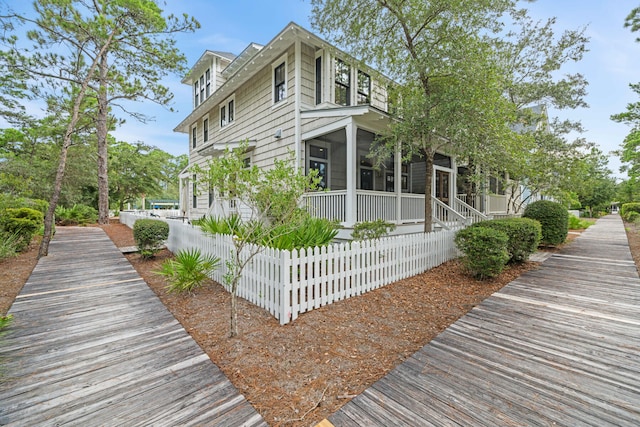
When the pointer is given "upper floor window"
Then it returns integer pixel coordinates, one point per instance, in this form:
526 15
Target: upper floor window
342 83
194 135
202 88
227 111
207 77
364 88
318 80
280 82
205 129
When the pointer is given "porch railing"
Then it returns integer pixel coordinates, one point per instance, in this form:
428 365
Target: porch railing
331 205
447 217
468 211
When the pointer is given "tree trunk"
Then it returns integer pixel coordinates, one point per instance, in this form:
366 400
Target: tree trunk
234 309
101 134
57 188
428 194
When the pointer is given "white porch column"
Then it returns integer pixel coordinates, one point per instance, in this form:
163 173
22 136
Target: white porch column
397 179
351 204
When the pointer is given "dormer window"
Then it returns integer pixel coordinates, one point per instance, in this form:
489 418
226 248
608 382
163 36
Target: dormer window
342 83
202 88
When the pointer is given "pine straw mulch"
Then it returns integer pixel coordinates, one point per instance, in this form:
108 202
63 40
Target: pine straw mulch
298 374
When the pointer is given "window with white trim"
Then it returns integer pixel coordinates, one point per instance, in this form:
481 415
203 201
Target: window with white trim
205 129
194 136
364 88
280 80
319 79
202 88
207 77
342 83
228 111
194 189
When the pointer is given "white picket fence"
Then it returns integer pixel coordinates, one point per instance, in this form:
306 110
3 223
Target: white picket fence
287 283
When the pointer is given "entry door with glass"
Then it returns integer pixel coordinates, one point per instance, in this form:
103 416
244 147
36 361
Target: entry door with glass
442 186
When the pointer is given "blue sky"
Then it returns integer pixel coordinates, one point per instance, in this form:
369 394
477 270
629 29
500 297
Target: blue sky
613 60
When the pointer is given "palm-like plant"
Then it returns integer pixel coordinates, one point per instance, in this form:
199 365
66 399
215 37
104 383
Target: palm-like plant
188 270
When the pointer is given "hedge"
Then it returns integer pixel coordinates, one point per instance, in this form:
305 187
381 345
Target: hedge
149 235
485 251
554 219
524 235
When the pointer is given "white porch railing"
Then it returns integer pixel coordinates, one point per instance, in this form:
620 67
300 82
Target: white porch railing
287 283
468 211
331 205
447 217
372 205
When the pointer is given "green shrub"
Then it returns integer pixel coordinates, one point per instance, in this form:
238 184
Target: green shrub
149 235
372 229
524 235
554 219
627 208
5 321
11 201
576 223
631 216
76 215
485 251
188 270
304 232
220 225
308 233
21 222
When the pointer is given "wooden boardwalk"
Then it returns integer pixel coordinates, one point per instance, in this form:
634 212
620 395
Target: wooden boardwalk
558 346
92 345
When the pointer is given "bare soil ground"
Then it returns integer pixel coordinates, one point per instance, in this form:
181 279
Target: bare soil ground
298 374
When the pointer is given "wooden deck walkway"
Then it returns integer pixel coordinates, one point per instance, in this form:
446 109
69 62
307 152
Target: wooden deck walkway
558 346
92 345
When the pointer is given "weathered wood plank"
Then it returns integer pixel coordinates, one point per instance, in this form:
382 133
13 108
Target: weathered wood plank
92 345
558 346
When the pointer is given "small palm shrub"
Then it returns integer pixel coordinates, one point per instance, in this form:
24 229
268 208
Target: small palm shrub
485 251
188 270
372 229
554 219
576 223
308 233
8 245
150 234
524 235
76 215
23 223
220 225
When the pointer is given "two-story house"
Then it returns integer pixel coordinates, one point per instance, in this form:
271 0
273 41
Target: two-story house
300 94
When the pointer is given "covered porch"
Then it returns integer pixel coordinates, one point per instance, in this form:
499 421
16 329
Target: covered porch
353 189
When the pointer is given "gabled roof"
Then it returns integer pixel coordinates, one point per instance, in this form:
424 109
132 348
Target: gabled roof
251 60
204 59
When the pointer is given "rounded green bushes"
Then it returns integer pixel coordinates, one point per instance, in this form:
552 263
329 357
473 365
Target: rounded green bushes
524 235
149 235
21 224
554 219
630 211
485 250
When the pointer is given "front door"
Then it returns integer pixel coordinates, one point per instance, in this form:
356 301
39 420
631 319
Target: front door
442 186
366 179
